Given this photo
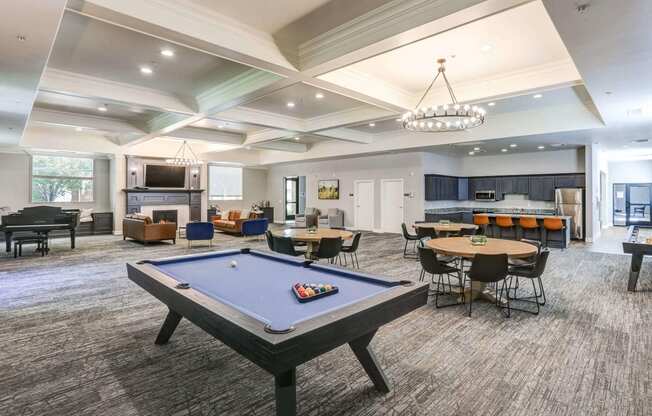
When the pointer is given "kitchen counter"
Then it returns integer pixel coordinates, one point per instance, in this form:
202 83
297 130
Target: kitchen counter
539 217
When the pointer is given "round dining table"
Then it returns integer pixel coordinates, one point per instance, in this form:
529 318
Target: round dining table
463 248
451 227
312 237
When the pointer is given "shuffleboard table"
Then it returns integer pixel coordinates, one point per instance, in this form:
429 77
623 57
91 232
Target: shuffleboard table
637 249
244 298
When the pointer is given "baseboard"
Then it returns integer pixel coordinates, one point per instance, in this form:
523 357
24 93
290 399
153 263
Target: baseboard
117 232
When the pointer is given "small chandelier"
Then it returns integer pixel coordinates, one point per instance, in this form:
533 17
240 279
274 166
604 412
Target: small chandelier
184 156
440 118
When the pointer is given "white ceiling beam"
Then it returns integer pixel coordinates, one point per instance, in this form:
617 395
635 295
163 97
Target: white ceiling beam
283 146
28 31
347 135
347 117
87 122
262 118
81 85
207 135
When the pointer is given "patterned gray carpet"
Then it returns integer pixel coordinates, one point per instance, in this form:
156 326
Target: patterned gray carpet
77 338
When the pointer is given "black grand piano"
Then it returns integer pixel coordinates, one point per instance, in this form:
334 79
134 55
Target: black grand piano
637 249
41 220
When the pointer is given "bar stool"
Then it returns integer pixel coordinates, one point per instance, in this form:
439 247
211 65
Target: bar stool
529 224
481 221
554 225
504 222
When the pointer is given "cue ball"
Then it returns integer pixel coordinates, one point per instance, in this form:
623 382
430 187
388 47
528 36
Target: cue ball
234 263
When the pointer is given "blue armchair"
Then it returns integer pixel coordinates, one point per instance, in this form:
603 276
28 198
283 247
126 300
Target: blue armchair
199 231
254 227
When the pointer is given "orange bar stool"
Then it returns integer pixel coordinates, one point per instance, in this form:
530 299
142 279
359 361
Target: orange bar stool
504 222
552 225
482 221
529 224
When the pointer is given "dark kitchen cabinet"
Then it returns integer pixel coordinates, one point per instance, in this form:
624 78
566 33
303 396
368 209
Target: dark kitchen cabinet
570 181
463 189
511 185
441 188
542 188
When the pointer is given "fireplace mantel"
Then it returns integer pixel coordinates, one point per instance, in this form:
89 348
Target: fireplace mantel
137 198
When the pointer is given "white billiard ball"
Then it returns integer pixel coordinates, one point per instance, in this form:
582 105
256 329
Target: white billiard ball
234 263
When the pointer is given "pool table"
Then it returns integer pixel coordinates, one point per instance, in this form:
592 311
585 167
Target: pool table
249 306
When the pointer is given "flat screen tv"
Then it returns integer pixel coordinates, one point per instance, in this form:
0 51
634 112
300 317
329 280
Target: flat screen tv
161 176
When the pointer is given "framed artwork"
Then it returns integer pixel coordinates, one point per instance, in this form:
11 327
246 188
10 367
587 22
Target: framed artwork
329 189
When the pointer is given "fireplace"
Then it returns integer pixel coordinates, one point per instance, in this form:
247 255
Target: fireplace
164 215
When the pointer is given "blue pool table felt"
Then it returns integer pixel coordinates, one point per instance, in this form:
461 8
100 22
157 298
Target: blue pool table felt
261 285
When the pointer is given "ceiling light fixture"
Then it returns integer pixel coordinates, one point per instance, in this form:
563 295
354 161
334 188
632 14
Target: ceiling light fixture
452 116
477 149
471 153
319 96
297 138
102 109
512 145
290 104
541 147
491 104
184 156
372 124
220 126
167 52
503 150
146 70
486 48
78 129
21 38
537 96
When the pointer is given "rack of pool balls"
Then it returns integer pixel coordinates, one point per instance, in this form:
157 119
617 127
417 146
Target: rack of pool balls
306 292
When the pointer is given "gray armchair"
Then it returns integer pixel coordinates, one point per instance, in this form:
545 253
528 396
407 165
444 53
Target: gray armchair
307 219
334 217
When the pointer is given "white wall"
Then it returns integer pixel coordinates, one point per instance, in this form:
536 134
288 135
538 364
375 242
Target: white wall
406 166
15 186
631 171
558 161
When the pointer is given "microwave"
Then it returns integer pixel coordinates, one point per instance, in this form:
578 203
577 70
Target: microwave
485 195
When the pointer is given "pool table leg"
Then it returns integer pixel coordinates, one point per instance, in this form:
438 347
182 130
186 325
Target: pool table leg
367 358
634 271
170 324
286 393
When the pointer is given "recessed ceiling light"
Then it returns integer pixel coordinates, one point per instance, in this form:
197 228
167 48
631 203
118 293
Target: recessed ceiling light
372 124
541 147
146 70
471 153
319 96
290 104
220 126
491 104
167 52
537 96
512 145
503 150
248 147
486 48
477 149
102 109
399 119
78 129
297 138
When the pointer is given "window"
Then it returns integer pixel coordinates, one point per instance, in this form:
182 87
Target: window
224 183
62 179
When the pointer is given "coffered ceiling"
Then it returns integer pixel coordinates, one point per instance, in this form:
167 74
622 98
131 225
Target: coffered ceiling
258 74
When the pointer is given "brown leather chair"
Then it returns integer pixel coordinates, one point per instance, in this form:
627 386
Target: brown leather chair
141 228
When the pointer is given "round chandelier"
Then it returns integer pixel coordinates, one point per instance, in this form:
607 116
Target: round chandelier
184 156
452 116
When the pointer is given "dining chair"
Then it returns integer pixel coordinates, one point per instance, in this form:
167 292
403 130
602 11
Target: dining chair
465 232
270 239
329 248
489 268
426 232
430 263
285 245
408 237
351 250
532 272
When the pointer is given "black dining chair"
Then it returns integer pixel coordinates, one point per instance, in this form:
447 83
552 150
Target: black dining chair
532 272
431 263
352 251
489 268
329 248
408 237
270 239
465 232
285 245
423 232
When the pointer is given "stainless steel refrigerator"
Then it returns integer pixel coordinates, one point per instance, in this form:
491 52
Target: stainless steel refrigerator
570 201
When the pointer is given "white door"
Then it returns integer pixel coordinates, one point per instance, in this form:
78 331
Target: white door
363 210
391 205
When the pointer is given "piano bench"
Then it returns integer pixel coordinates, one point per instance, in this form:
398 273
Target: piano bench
41 242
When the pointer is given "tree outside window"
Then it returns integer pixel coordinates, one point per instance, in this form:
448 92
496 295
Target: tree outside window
62 179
